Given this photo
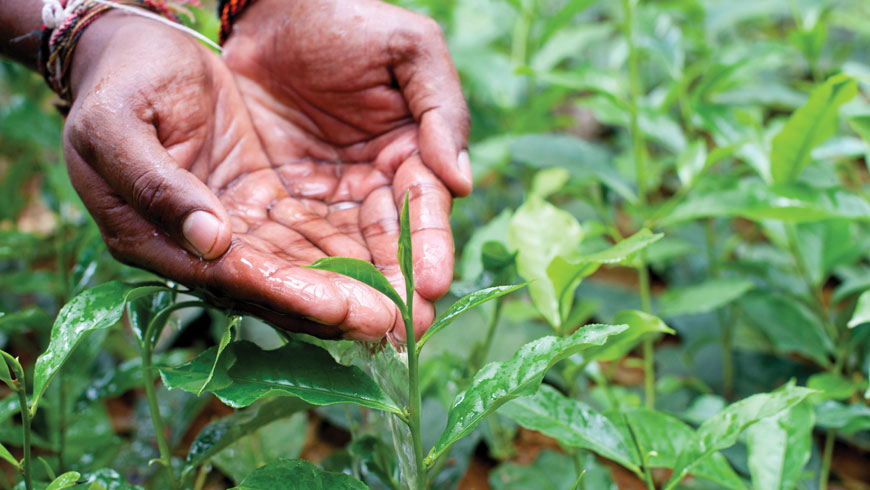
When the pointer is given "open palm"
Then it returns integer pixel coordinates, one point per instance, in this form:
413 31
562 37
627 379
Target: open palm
357 104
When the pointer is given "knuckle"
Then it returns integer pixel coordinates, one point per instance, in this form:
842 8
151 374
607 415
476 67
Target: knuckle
149 192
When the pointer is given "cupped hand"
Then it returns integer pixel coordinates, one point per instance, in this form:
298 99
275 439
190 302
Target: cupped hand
367 91
163 153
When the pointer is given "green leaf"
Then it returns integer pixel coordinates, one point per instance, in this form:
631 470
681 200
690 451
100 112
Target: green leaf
861 314
833 386
704 297
109 479
281 439
66 480
5 374
779 448
566 276
549 181
6 455
218 435
295 474
583 159
226 337
97 308
464 304
624 250
660 438
754 200
499 382
722 430
809 126
539 232
246 373
405 253
376 456
788 325
639 324
143 310
363 272
846 419
572 423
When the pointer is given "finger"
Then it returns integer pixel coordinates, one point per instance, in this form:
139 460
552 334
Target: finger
431 237
431 87
379 221
248 278
317 229
125 151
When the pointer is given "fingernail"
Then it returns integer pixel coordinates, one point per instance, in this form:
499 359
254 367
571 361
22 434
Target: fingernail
463 165
201 230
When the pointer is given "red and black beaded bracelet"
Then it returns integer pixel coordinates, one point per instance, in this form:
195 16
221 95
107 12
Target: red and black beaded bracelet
228 12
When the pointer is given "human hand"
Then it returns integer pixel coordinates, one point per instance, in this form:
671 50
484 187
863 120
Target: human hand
371 88
162 151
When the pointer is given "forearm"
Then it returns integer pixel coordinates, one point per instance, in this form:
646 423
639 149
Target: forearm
20 21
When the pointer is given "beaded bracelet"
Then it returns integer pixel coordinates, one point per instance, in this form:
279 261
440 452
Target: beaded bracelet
228 12
64 21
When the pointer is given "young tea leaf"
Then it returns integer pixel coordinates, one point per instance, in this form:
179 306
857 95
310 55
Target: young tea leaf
703 297
572 423
225 340
721 431
861 314
539 232
109 479
809 126
406 256
245 373
464 304
499 382
66 480
293 474
7 456
639 325
363 272
779 448
659 438
94 309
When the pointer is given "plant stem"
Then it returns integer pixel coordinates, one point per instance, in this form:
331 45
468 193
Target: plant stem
154 408
639 149
577 457
637 142
479 356
649 368
724 324
827 455
25 422
415 401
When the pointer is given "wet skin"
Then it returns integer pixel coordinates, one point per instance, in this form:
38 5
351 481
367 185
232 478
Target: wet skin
288 185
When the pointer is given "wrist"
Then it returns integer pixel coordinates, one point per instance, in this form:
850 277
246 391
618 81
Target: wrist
102 35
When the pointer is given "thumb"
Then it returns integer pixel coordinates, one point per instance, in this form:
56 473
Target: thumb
431 87
144 174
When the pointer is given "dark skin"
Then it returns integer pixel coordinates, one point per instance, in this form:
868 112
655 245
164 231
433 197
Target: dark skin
371 86
182 174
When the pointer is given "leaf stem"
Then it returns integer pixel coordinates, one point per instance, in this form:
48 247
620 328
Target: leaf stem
25 422
415 402
827 456
479 355
154 408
